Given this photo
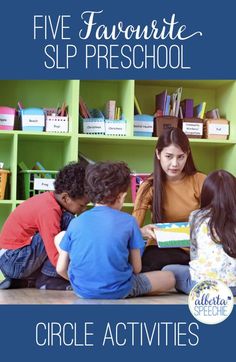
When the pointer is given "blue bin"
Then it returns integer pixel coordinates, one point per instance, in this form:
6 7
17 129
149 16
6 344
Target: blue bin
32 119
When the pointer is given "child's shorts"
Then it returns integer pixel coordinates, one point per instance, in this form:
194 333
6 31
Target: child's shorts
140 285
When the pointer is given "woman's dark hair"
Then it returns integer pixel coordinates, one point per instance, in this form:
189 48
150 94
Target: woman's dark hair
178 138
104 181
70 179
218 198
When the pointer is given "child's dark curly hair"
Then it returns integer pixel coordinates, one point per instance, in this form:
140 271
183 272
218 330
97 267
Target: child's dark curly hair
70 179
104 181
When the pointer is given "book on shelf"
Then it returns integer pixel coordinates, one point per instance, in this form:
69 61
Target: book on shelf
187 108
160 103
178 100
199 110
167 106
83 109
40 167
173 235
213 114
85 160
117 113
137 109
110 109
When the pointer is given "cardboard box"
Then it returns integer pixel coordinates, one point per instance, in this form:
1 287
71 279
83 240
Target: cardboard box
193 127
216 129
164 122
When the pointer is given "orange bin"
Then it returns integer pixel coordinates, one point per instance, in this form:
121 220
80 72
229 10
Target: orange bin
3 181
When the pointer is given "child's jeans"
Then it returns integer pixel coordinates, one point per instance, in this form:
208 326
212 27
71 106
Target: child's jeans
22 262
184 283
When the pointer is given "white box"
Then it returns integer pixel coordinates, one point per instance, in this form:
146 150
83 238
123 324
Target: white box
115 128
93 126
57 124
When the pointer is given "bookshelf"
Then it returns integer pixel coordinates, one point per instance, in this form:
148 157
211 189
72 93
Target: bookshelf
55 150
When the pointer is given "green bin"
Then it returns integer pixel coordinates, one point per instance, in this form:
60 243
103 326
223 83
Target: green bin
33 182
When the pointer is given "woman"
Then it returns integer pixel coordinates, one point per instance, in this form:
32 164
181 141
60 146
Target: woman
172 192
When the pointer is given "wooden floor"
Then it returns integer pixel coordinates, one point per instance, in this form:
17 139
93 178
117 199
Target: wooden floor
35 296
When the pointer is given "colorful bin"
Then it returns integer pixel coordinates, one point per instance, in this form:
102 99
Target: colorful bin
143 125
7 118
136 180
3 182
32 119
33 182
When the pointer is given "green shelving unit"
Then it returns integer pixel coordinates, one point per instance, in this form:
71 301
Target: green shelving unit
55 150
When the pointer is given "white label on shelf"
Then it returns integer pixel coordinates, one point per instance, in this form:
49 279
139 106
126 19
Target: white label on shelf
93 127
33 120
143 126
191 128
46 184
115 128
57 124
220 129
7 119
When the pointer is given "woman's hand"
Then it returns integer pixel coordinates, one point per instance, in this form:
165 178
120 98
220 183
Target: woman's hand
148 231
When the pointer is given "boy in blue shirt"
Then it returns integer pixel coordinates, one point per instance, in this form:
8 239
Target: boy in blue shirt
100 253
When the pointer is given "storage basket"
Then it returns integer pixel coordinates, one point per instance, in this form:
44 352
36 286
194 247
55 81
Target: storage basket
33 182
193 127
57 124
164 122
32 119
136 180
115 127
216 129
7 118
143 125
92 126
3 182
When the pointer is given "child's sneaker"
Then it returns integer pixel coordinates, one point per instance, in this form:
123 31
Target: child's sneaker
52 283
5 282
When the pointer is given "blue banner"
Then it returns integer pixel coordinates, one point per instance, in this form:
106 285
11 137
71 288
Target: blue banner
117 40
105 332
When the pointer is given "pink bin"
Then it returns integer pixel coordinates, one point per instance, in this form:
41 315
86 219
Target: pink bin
136 180
7 118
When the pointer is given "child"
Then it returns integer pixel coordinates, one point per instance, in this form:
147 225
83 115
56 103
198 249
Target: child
102 247
213 236
28 233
